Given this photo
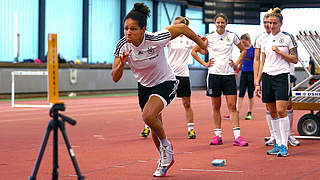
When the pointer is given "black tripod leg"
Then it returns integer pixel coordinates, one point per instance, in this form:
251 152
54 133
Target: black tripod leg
70 150
42 149
55 173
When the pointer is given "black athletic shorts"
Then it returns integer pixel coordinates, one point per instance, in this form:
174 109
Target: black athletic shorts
184 89
275 87
218 84
293 79
166 91
246 82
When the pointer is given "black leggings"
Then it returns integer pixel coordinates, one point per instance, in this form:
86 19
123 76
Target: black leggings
246 81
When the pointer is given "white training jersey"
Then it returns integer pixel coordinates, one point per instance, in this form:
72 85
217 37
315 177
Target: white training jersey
274 63
259 39
292 69
220 49
147 61
179 54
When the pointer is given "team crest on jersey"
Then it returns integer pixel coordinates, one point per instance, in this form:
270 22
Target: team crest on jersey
150 50
281 41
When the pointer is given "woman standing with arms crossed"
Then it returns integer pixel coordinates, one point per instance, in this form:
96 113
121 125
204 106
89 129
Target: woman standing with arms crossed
279 49
144 52
221 76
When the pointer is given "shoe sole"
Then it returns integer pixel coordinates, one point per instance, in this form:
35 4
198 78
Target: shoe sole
144 136
280 155
272 153
240 145
292 144
215 144
267 144
191 137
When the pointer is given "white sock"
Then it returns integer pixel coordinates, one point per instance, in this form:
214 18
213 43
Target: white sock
190 126
236 132
165 142
284 130
218 132
290 116
268 117
146 126
276 129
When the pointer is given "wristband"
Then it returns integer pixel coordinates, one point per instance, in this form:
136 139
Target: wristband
237 71
257 84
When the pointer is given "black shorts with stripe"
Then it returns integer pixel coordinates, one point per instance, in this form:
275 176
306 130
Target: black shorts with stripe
184 89
246 82
275 87
167 90
218 84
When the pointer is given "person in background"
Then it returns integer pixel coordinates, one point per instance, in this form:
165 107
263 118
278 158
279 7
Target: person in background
258 68
246 79
221 76
279 49
291 139
314 70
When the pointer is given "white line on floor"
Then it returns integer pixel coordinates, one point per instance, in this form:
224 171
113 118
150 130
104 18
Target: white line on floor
211 170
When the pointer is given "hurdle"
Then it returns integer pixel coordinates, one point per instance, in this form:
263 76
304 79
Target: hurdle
51 73
26 73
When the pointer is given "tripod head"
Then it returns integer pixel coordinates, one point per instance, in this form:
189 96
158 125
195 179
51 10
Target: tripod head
54 112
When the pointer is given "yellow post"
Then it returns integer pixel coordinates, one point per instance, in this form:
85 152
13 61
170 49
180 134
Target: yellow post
53 69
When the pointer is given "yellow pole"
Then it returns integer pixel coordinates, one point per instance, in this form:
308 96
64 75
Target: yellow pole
53 69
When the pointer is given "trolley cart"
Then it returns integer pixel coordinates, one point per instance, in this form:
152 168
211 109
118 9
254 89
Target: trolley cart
309 99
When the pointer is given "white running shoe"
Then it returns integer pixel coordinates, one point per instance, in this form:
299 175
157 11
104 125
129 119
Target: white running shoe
293 141
271 142
166 155
165 162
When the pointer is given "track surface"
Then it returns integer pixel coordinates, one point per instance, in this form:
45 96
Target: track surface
107 144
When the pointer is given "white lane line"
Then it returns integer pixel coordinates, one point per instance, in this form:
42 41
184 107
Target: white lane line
211 170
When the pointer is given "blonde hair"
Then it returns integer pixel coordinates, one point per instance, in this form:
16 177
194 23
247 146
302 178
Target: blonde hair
246 36
277 13
183 20
268 13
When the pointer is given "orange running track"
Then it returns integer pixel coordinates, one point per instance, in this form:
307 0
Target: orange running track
107 144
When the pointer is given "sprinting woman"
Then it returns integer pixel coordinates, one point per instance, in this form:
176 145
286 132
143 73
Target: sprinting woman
144 52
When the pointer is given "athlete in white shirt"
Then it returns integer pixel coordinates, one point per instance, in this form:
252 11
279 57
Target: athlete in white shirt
179 54
258 68
221 76
279 49
157 85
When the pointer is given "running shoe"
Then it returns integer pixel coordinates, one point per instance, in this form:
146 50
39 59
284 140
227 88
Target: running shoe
274 150
283 151
191 134
146 131
240 142
165 162
217 140
226 117
248 116
293 141
271 142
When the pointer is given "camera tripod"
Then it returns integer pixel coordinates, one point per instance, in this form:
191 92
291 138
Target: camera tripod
53 125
